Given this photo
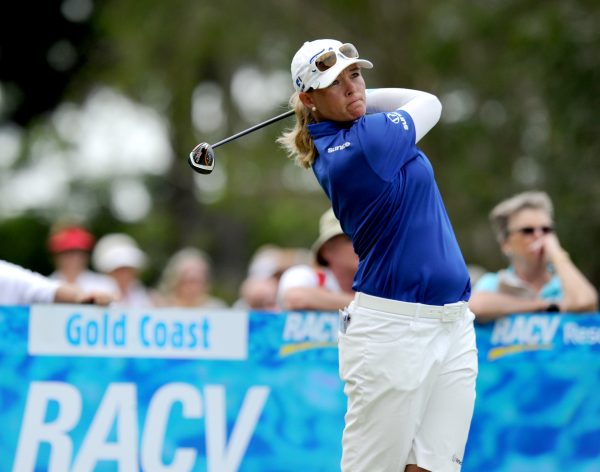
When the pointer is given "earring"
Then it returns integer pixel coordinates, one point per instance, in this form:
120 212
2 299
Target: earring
314 108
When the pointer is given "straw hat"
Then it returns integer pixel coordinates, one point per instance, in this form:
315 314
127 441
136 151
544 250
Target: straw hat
329 227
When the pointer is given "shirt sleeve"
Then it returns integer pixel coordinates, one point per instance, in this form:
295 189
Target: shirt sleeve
424 108
487 283
388 141
20 286
552 290
389 99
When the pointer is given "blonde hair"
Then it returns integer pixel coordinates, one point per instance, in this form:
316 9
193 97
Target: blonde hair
178 261
500 215
297 141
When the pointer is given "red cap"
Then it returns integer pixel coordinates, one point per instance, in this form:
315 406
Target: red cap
71 239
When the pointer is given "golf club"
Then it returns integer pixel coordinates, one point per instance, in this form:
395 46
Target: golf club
202 157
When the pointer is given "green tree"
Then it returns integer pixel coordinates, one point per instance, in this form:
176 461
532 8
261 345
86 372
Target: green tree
519 82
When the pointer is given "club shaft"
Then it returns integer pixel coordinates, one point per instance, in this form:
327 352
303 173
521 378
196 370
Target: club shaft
254 128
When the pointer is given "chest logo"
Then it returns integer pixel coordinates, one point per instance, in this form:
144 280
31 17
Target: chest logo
340 147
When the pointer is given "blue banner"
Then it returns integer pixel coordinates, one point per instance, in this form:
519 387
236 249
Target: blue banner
84 388
538 402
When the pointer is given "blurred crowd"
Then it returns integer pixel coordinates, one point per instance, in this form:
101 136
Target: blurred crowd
540 276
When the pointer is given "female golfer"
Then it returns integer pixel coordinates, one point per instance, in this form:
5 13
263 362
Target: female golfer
407 343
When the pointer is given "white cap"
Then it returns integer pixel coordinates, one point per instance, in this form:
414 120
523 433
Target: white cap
117 250
305 74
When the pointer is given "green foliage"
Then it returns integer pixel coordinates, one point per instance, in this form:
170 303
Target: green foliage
520 82
24 243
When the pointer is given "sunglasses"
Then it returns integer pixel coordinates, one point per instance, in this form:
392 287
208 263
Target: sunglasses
328 59
530 230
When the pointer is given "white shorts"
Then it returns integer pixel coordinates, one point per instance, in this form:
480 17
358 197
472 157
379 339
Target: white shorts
409 371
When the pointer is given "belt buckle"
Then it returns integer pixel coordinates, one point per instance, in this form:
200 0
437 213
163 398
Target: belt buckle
453 311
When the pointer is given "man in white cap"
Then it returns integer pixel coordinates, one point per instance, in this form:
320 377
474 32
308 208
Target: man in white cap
327 286
119 256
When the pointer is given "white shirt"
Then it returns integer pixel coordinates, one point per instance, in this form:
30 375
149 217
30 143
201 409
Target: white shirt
89 281
137 297
20 286
306 276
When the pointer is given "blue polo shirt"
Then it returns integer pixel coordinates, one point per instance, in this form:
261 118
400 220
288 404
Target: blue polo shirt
383 191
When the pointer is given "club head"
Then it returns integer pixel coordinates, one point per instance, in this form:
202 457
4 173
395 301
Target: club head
202 158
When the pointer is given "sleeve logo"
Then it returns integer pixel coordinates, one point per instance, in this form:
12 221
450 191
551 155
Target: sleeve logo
397 118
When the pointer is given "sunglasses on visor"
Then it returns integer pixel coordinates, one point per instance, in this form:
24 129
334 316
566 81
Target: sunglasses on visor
529 230
328 59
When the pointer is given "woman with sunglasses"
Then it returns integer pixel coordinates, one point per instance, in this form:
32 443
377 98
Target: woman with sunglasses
541 275
406 342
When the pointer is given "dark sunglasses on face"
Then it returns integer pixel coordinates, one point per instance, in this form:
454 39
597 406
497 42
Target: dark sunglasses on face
328 59
530 230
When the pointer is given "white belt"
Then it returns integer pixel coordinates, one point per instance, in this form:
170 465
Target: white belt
447 313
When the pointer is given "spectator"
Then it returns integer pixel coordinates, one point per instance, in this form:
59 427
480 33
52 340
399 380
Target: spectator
328 284
20 286
259 290
185 281
541 276
70 247
258 293
119 256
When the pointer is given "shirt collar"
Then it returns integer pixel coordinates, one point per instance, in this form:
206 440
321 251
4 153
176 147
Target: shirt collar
326 128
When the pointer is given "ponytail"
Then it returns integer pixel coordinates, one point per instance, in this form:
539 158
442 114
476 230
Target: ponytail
297 141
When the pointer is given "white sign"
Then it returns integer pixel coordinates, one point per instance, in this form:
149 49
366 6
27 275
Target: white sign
183 333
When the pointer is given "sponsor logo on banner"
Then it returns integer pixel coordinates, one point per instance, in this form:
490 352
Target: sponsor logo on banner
517 334
72 330
306 331
575 334
524 333
54 410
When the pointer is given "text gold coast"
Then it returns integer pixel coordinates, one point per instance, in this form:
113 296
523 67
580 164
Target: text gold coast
181 333
150 332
